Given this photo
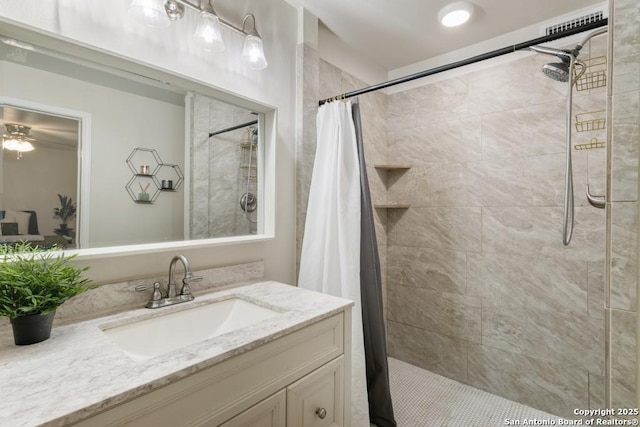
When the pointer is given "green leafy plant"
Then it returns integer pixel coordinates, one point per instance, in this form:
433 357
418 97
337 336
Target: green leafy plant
67 209
37 281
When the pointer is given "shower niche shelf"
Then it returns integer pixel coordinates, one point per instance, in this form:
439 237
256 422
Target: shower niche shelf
393 168
392 206
396 168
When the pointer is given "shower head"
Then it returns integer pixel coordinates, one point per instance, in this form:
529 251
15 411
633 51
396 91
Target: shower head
558 71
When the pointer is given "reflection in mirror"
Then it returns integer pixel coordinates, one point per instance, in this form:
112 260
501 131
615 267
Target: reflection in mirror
224 169
31 180
123 198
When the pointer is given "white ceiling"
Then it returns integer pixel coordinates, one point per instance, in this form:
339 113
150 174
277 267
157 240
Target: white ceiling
397 33
47 130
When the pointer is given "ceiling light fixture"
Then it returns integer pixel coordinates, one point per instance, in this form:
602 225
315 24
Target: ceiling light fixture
455 14
16 138
208 35
253 50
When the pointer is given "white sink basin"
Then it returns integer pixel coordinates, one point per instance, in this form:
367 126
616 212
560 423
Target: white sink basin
152 337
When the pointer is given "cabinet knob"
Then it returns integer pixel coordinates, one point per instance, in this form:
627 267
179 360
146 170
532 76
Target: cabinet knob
321 413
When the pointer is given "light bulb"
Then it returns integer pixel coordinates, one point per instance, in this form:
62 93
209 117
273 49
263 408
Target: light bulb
207 32
455 14
253 52
149 12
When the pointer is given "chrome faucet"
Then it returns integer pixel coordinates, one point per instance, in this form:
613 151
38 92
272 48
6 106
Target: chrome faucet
157 300
188 278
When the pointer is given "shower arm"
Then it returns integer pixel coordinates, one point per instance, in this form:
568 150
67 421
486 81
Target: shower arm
551 51
589 36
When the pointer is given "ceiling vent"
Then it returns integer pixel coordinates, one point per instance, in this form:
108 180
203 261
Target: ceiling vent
575 22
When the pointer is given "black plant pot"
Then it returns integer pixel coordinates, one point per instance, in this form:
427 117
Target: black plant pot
32 329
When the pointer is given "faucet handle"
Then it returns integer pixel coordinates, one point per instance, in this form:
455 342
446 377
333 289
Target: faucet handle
188 278
157 295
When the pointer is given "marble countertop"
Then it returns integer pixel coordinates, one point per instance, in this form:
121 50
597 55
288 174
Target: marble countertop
79 371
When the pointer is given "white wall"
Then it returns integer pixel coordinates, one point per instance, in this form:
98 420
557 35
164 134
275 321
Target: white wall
106 26
336 52
53 171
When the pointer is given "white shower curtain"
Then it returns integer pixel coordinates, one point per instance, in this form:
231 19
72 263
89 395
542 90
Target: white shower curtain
330 260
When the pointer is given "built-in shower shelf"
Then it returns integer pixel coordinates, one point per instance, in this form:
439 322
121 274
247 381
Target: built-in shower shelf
393 167
392 206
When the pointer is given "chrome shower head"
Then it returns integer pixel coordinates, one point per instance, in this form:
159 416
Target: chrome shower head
558 71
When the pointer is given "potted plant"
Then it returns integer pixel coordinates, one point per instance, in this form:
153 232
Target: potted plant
34 282
65 212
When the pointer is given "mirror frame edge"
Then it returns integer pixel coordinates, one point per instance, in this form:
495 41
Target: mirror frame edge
58 43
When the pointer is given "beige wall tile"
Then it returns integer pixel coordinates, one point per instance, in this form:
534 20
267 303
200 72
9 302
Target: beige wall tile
433 269
451 142
551 386
446 228
435 352
538 232
624 161
525 131
624 255
623 358
546 334
453 315
521 282
596 290
522 181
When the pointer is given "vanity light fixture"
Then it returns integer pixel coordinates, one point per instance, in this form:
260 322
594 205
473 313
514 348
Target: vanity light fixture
253 50
160 13
208 29
16 138
150 12
455 14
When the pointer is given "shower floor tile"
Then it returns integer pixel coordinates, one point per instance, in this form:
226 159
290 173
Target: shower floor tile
424 399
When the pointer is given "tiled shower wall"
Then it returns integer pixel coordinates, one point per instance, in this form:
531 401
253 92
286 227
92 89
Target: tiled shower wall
215 209
624 97
480 286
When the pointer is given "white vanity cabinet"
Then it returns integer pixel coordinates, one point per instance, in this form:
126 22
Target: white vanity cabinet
313 401
271 412
300 379
316 400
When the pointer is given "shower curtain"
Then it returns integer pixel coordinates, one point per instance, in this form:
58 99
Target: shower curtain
331 249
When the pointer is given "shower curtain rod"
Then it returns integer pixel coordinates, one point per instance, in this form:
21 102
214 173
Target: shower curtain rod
244 125
474 59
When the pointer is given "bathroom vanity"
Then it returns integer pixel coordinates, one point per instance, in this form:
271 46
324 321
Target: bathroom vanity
288 367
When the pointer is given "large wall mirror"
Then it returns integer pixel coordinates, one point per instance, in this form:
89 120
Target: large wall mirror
96 157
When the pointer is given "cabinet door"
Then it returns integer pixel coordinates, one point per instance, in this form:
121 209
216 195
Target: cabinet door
270 412
317 399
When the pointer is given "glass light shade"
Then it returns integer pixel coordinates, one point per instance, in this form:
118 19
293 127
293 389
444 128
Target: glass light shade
455 14
208 32
253 52
149 12
19 145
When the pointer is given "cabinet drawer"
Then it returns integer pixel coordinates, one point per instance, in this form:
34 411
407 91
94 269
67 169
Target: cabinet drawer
316 400
218 393
271 412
